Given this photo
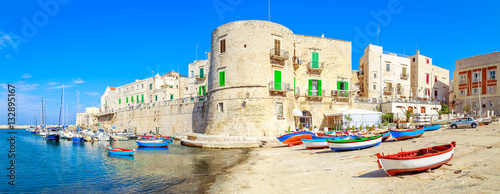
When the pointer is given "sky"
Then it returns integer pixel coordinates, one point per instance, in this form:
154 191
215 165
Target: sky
88 45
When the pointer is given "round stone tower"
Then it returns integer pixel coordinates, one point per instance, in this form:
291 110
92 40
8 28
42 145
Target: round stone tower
250 80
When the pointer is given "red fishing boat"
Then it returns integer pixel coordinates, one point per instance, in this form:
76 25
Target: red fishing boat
416 160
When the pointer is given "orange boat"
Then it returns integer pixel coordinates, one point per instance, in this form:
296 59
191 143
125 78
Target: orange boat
295 137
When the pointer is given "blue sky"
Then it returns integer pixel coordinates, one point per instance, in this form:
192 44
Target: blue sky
91 44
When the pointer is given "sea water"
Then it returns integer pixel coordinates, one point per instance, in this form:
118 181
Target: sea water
66 166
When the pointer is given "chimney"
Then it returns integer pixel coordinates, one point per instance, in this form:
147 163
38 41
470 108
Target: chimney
418 52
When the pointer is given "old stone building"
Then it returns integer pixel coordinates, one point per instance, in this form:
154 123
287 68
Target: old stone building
428 81
197 81
475 84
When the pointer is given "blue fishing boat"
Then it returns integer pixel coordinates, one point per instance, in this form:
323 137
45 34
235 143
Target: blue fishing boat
153 143
120 151
433 127
407 134
295 137
52 135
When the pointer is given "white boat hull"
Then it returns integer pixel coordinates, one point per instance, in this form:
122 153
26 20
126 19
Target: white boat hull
392 166
355 145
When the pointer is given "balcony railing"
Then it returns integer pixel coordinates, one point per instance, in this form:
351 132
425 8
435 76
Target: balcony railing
279 86
341 93
278 54
388 91
404 76
315 66
201 77
314 94
297 91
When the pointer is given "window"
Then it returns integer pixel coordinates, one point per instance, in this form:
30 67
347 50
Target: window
404 72
388 67
142 86
150 86
132 88
492 75
119 91
171 96
202 75
127 99
435 79
223 46
202 91
279 110
375 75
427 61
156 97
475 91
314 87
138 87
492 89
132 99
119 101
137 99
413 59
315 60
435 94
277 47
427 78
374 86
127 89
462 79
192 73
476 77
462 92
491 103
475 104
222 78
221 107
341 85
142 97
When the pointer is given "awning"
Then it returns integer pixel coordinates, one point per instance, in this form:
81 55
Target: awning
297 112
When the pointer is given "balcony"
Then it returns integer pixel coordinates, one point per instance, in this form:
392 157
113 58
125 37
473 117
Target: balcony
201 77
399 91
404 76
341 93
315 67
296 62
278 54
314 94
388 91
297 92
279 88
361 74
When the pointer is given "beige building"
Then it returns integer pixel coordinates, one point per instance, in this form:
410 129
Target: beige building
476 84
154 89
428 81
384 76
197 81
88 118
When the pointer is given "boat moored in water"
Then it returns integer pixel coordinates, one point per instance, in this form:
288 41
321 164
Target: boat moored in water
153 143
416 160
120 151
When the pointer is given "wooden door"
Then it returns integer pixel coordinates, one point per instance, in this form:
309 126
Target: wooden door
422 109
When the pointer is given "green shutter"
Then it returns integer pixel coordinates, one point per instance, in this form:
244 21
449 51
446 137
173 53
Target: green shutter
310 87
142 97
294 85
204 90
137 99
171 96
277 80
315 60
119 101
132 98
338 85
201 72
319 87
199 91
150 86
127 99
346 85
222 78
156 98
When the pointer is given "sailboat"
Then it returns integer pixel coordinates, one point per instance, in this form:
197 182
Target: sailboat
53 133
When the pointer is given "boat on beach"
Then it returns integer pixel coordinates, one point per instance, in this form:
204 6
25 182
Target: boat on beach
355 143
320 142
416 160
295 138
433 127
385 134
407 134
153 143
120 151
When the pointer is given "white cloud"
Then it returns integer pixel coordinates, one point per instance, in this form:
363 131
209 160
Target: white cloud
59 87
78 81
26 75
53 83
21 86
92 93
5 40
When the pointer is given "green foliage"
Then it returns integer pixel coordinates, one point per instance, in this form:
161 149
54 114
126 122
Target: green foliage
288 129
466 108
387 117
408 113
379 125
300 125
348 117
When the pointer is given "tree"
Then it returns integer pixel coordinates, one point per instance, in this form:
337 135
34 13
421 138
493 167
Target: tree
348 118
466 109
408 113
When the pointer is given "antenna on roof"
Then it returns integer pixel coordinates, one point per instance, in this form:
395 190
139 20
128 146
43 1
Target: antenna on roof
269 10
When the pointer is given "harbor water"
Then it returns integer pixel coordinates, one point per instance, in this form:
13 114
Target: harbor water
66 167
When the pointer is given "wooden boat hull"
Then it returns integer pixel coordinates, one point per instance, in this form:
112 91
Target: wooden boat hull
433 127
401 135
397 165
319 142
336 146
295 137
153 143
120 152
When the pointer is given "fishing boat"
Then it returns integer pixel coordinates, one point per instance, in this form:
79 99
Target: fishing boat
295 137
153 143
320 142
120 151
354 144
407 134
77 138
433 127
385 134
52 134
416 160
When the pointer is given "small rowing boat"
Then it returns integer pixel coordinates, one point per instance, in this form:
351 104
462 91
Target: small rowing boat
320 142
416 160
433 127
407 134
295 137
120 151
153 143
354 144
385 134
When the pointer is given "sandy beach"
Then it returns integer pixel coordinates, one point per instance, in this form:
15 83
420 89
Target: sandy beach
474 168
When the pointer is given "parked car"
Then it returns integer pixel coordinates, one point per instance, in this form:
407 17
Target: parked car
465 122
